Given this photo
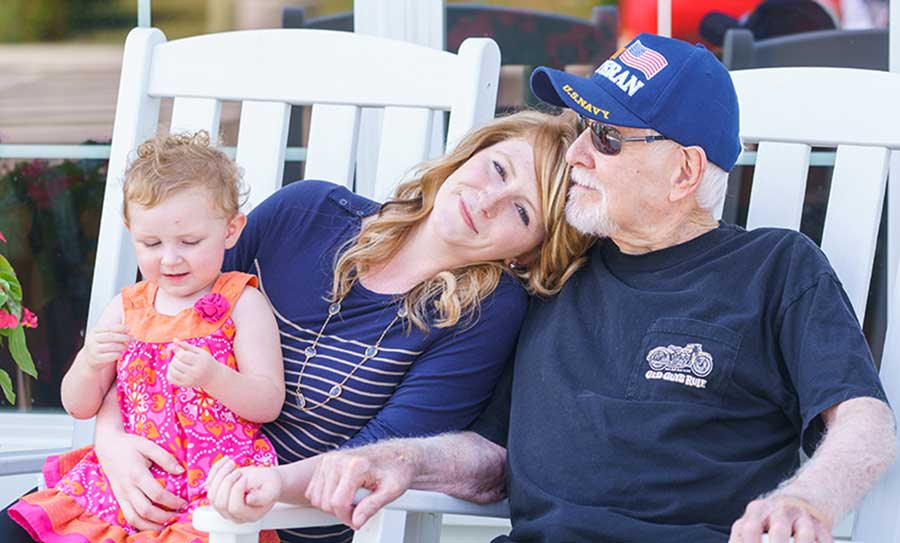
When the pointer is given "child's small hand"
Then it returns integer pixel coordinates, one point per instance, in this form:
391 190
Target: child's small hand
243 494
104 346
191 366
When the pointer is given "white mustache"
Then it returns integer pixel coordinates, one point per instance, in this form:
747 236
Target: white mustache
582 176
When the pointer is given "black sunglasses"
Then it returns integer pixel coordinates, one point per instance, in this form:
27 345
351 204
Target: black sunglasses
607 139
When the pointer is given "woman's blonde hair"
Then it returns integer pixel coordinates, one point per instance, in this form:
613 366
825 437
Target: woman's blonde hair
166 164
458 292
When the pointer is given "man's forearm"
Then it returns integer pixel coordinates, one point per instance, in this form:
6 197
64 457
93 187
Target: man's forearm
859 445
463 465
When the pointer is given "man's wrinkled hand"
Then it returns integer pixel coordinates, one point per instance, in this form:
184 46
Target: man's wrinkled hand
340 474
781 517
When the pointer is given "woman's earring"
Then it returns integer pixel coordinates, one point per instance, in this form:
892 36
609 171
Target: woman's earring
515 266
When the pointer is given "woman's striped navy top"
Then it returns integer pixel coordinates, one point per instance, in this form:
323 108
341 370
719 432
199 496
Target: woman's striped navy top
417 384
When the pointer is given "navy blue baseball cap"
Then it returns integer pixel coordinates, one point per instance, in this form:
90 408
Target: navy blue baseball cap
680 90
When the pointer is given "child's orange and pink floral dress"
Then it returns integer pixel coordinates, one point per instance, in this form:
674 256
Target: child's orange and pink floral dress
78 506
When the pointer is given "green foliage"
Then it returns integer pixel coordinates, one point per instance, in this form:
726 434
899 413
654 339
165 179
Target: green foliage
19 351
12 326
41 20
6 386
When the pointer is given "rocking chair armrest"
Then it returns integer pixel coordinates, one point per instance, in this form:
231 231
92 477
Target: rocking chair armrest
423 501
298 516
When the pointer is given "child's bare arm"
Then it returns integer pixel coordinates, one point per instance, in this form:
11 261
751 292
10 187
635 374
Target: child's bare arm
256 391
85 384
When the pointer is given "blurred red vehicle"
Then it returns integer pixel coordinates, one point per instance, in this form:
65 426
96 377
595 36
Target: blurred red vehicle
638 16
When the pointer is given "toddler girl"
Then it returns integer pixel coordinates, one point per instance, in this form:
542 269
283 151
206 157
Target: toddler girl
194 353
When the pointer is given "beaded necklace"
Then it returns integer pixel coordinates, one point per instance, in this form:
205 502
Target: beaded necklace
310 352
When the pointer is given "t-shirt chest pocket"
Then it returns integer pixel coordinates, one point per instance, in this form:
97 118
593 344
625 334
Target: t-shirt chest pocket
684 360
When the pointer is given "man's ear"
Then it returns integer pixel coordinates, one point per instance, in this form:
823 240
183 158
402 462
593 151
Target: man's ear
233 230
689 175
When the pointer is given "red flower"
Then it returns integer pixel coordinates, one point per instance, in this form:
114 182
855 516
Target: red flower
212 307
39 194
34 168
29 319
8 320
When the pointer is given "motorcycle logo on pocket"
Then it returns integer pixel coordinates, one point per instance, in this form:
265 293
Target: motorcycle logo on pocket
673 362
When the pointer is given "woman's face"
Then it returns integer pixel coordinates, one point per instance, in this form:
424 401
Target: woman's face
489 208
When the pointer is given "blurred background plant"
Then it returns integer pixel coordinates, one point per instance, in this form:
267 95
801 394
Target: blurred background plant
34 20
49 216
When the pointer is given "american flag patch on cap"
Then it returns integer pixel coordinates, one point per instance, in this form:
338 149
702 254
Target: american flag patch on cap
644 59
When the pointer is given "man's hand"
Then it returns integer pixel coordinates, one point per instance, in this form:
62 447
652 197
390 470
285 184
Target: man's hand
191 366
145 504
387 473
782 517
104 346
242 494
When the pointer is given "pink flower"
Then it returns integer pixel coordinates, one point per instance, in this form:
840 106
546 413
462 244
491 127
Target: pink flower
212 307
29 319
2 238
8 320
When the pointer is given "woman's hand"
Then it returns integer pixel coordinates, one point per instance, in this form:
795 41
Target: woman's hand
126 460
243 494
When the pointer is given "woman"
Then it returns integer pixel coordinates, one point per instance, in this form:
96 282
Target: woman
395 320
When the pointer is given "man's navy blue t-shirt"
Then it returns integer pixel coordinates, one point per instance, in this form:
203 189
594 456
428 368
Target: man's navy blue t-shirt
658 394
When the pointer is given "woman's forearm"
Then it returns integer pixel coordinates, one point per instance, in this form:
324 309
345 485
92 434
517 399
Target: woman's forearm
109 424
294 480
109 417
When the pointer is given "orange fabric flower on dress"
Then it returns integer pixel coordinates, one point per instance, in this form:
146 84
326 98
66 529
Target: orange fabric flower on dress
212 307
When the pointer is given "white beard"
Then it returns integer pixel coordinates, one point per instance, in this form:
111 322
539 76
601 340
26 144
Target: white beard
587 211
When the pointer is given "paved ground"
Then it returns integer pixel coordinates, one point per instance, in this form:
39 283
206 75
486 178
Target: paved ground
57 94
67 94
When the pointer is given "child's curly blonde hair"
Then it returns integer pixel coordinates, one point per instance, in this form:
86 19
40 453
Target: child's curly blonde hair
166 164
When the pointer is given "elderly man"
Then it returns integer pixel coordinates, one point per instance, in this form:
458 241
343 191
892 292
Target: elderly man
664 393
